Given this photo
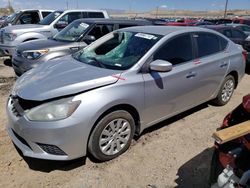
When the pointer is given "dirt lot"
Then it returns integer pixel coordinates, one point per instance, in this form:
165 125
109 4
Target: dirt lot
174 153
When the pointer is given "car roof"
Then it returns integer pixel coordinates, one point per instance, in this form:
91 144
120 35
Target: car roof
113 21
164 30
83 10
222 26
236 24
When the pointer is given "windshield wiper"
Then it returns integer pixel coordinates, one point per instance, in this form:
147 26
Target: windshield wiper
100 64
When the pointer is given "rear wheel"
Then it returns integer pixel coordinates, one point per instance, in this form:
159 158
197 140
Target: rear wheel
226 91
112 135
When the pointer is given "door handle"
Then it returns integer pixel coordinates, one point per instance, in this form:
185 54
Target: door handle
74 48
191 75
223 65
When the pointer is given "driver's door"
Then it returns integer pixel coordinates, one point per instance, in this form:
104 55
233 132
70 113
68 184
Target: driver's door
167 93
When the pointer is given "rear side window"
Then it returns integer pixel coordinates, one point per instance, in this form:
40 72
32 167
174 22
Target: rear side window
245 28
95 15
238 34
44 14
177 50
207 44
223 43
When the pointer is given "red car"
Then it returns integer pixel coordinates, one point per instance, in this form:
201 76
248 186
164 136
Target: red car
236 153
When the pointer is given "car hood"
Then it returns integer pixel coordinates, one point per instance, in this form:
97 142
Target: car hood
26 28
41 44
61 77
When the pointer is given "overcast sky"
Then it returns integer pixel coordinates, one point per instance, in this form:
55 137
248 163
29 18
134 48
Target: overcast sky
139 5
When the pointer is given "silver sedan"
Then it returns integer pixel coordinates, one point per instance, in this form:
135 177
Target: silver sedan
96 100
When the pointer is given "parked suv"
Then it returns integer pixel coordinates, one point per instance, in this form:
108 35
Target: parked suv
31 16
97 99
12 36
71 39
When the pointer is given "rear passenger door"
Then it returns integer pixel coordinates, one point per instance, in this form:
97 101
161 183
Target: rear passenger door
211 62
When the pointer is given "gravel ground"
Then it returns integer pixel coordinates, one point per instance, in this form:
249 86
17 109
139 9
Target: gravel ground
174 153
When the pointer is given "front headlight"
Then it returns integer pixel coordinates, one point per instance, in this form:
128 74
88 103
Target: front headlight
53 111
34 54
10 36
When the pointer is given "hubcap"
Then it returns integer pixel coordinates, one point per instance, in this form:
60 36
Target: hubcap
227 91
115 136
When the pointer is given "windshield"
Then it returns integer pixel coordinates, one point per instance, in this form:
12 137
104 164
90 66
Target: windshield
12 17
50 18
118 50
72 32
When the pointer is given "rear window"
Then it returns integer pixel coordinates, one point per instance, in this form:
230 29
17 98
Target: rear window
125 25
95 15
207 43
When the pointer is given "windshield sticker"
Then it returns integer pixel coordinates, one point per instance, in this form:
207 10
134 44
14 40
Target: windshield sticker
146 36
84 25
118 65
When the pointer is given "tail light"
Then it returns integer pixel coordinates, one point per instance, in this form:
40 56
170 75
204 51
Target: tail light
246 102
244 53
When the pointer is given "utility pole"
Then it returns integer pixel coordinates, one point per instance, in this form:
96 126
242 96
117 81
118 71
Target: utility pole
77 4
157 10
225 13
67 5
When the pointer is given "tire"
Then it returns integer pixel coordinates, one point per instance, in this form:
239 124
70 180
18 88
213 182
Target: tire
216 168
112 135
225 92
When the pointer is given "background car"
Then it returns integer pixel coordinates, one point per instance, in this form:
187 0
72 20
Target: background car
11 36
29 16
74 37
234 153
97 99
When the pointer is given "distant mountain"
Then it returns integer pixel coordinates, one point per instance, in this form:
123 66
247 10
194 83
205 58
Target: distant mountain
115 11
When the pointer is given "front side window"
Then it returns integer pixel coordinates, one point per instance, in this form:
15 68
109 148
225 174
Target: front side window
100 30
29 18
227 33
177 50
118 50
207 44
50 18
72 32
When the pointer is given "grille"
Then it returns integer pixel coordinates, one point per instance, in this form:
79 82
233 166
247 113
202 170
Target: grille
51 149
21 139
15 107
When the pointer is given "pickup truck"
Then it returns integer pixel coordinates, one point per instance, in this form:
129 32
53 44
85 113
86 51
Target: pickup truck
28 16
11 36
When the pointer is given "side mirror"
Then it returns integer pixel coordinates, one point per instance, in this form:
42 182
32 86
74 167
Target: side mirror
89 39
161 66
61 24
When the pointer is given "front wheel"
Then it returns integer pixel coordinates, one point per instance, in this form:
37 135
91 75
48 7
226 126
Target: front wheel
226 91
112 135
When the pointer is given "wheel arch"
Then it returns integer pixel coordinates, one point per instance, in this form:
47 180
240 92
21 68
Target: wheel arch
236 77
127 107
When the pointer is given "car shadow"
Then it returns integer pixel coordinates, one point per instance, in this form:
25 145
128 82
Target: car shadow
7 62
49 165
173 119
195 172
